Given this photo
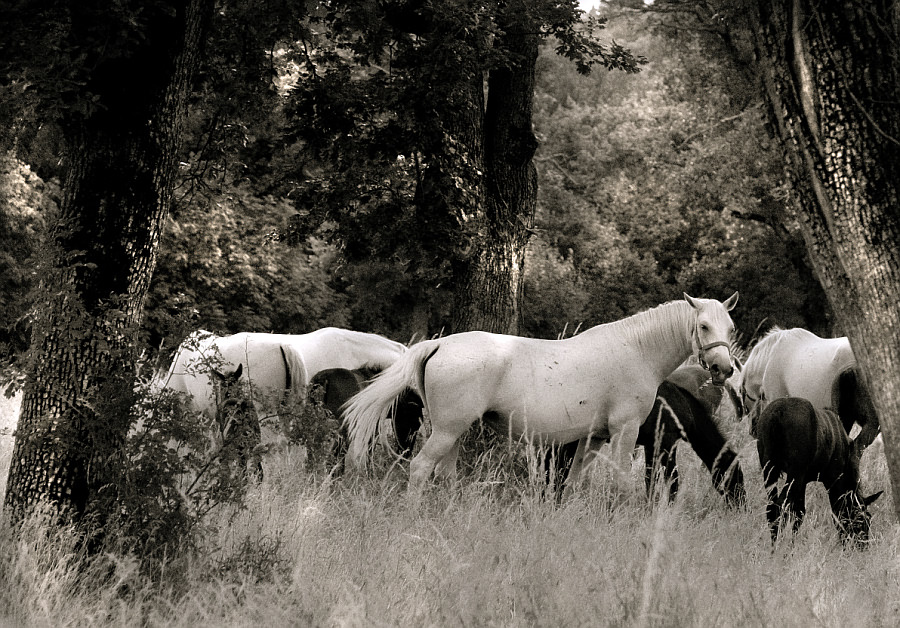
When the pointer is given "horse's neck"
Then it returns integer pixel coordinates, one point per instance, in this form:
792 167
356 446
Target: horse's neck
706 439
841 495
664 336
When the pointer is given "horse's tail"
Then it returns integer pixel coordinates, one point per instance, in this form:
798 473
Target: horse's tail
364 411
295 376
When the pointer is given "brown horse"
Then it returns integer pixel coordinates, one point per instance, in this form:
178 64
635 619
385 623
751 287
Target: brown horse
798 363
808 445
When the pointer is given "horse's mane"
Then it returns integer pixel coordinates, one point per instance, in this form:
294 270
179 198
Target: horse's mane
656 327
765 344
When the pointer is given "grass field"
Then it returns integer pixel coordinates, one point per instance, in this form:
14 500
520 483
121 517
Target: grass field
488 551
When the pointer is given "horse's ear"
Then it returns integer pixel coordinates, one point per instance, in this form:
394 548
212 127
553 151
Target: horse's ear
871 498
229 378
731 301
691 300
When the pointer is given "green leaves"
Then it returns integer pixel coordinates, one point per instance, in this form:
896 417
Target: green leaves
645 179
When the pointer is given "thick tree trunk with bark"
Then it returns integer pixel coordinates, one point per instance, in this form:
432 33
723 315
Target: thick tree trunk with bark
831 81
488 294
117 192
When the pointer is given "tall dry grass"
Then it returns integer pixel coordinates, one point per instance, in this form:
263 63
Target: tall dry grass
489 550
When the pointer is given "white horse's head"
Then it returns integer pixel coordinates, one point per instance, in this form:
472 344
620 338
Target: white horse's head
753 398
713 333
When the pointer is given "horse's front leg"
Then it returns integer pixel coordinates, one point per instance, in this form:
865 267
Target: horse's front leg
577 466
649 468
623 432
796 501
670 472
773 500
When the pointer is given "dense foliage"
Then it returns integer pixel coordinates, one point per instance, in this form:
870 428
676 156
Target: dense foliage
650 185
27 204
301 197
654 184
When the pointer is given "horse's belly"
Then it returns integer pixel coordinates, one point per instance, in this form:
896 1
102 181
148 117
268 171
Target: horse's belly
560 422
811 382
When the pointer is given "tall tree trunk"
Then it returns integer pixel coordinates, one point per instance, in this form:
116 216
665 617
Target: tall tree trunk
117 192
488 294
831 82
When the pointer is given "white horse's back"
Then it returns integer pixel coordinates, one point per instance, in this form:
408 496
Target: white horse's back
273 363
801 364
552 388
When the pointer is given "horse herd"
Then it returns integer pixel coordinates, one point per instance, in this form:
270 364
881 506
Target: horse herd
650 379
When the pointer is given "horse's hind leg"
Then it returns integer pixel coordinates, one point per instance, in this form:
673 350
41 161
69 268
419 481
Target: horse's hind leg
660 465
435 449
623 437
446 467
773 501
557 463
580 459
670 472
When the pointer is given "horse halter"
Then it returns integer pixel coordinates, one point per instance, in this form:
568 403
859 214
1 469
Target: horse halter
701 349
712 345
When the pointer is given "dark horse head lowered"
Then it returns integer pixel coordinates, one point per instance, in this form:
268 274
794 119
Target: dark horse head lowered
237 420
684 410
808 445
678 414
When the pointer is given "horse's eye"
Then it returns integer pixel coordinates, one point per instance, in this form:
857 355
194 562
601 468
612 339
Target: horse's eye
704 327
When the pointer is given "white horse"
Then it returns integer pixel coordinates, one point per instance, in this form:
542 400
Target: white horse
798 363
273 365
601 382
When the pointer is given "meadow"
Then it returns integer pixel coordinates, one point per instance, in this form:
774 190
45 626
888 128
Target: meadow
489 550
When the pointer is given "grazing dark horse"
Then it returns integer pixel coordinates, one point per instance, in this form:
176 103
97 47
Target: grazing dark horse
808 445
339 384
680 415
336 386
237 420
683 411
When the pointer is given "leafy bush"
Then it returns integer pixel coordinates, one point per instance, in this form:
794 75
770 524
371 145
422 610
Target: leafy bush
181 468
27 204
314 427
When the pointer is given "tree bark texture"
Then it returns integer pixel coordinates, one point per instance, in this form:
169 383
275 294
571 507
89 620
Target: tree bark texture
117 192
831 81
489 290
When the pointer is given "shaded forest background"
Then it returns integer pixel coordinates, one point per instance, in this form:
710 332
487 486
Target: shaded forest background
650 184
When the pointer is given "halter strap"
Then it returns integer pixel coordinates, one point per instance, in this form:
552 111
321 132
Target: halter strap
717 343
704 348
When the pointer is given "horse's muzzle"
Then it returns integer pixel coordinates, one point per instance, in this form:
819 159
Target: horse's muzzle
718 376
